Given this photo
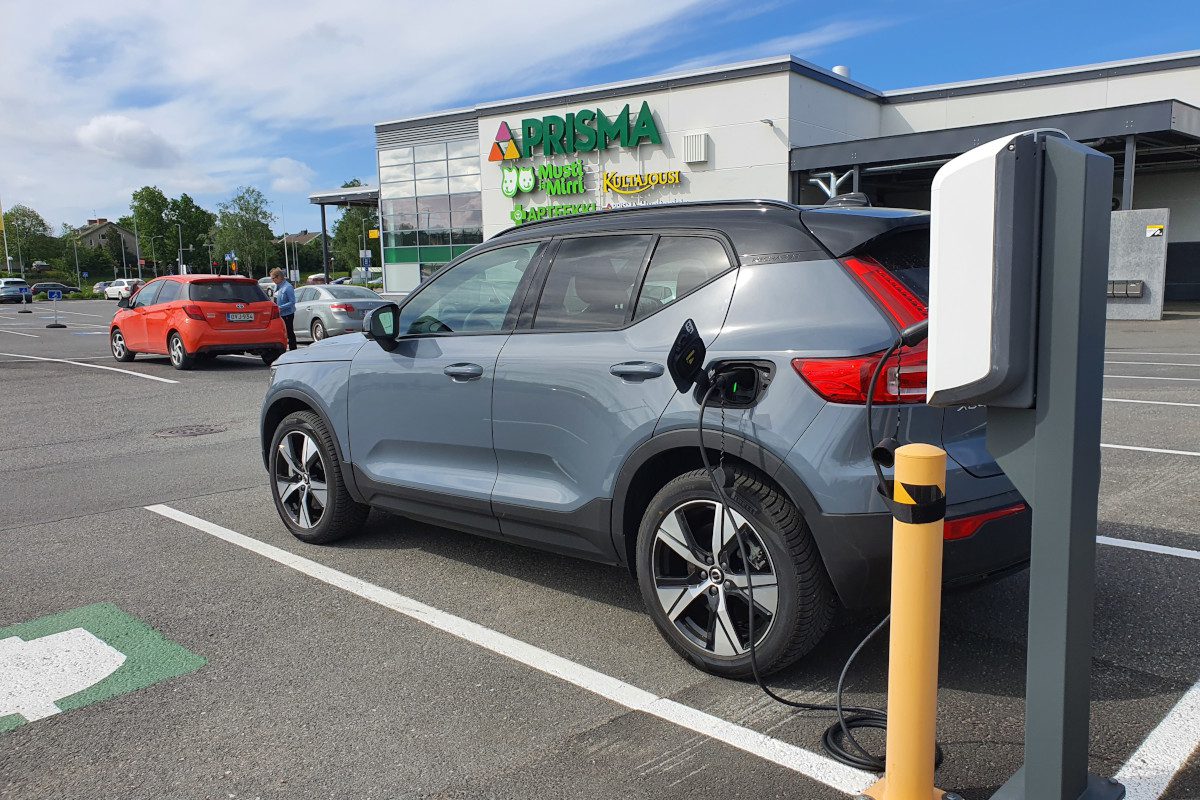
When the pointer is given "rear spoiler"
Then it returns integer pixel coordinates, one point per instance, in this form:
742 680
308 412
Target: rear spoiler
843 230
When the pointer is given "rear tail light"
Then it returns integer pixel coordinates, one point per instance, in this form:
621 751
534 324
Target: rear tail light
194 312
846 380
274 313
904 307
347 307
965 527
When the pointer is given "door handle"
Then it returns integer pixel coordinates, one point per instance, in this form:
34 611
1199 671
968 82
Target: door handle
637 370
464 372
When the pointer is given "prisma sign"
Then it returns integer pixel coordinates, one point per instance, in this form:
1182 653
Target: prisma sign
582 131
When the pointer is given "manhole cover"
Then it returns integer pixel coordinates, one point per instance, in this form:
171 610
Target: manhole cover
190 430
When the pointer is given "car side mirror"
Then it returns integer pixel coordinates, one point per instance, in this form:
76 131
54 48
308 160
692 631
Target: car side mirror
381 324
124 302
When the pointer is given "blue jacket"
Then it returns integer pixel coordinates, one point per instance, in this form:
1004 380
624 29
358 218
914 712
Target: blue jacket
285 297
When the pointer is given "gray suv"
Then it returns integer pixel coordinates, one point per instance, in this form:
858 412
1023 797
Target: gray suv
521 394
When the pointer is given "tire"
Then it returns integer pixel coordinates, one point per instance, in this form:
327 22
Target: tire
781 550
318 331
268 356
339 516
120 350
180 358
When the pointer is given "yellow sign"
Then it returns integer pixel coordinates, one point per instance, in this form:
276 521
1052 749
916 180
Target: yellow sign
1155 230
636 184
373 233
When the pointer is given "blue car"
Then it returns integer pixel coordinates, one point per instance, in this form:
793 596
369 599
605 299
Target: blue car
522 393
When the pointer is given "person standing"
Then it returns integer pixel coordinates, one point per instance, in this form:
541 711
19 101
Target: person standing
285 298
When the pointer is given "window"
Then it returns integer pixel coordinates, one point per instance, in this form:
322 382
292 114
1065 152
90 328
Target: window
591 283
474 297
678 266
171 291
226 292
146 297
306 294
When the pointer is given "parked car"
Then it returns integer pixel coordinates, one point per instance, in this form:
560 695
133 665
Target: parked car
315 280
39 288
538 364
122 288
267 285
194 318
99 287
15 290
340 280
323 311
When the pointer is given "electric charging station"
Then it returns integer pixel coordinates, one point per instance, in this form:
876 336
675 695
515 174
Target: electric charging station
1018 264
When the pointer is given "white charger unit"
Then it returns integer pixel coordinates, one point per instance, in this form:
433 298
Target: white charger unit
985 221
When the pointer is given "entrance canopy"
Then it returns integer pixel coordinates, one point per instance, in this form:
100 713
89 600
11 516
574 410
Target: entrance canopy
363 196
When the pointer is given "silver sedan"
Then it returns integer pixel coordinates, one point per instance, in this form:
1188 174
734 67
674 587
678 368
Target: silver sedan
323 311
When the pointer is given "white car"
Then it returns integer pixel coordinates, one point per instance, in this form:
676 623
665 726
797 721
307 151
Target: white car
267 285
121 288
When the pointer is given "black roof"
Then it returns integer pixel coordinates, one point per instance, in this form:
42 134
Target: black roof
761 230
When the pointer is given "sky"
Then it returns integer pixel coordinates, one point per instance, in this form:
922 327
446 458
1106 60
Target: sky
99 99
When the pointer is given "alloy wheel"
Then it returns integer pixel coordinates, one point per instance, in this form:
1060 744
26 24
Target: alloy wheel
701 581
300 479
177 353
118 344
318 331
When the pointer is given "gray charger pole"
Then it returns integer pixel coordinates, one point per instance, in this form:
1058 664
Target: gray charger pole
1052 455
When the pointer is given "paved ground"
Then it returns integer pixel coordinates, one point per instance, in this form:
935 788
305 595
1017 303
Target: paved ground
310 690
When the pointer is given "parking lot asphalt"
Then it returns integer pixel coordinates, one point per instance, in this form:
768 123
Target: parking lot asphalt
412 661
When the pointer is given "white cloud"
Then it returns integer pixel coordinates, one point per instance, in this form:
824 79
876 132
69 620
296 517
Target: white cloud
127 140
803 44
208 96
290 175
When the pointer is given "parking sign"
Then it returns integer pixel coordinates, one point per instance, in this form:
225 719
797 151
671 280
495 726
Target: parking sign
54 294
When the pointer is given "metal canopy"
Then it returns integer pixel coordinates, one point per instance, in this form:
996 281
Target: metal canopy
346 196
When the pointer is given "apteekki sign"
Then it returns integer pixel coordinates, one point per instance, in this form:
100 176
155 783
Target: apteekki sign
588 130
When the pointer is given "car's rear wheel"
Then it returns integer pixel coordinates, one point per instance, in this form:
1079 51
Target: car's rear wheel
697 587
318 330
120 349
180 357
306 482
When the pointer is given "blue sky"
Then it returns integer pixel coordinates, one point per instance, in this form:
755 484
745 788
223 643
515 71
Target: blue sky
282 95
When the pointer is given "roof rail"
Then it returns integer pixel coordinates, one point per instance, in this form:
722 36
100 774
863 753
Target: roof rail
653 207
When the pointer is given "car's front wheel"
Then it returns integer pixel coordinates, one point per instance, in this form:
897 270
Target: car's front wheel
120 349
697 586
306 482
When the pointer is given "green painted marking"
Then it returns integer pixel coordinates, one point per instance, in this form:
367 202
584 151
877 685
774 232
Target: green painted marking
149 657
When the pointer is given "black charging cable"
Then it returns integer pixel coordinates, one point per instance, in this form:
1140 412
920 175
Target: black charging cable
849 718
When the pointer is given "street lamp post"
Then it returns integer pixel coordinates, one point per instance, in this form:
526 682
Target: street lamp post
137 247
78 278
154 253
182 268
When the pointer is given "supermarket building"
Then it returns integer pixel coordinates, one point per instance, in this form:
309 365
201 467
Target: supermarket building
778 128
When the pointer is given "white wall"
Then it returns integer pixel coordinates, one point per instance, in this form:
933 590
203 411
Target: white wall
747 157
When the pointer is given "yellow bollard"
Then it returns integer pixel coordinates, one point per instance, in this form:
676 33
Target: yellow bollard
916 622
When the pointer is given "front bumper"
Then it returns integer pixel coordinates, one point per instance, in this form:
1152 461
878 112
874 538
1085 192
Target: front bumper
857 550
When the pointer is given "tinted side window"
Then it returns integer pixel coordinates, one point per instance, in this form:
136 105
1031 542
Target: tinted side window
591 283
146 295
473 297
171 291
679 265
306 294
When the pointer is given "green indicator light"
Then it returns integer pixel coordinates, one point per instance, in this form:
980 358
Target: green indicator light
735 388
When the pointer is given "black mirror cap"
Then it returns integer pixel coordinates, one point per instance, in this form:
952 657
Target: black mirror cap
381 324
124 302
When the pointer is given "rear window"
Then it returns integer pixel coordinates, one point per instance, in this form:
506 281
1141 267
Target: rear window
15 282
351 292
226 292
905 254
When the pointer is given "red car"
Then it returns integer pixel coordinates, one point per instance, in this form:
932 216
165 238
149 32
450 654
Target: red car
194 318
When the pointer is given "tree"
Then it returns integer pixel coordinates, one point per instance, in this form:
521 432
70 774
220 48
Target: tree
348 233
195 224
148 216
30 237
243 227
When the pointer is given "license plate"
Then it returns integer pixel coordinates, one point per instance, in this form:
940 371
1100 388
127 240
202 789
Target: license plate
243 317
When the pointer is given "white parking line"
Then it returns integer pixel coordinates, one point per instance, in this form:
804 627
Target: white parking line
1150 402
1155 363
1140 353
91 366
1150 377
1151 449
1166 750
18 333
813 765
82 314
1161 549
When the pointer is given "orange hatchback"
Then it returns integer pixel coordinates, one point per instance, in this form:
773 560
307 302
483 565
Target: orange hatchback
194 318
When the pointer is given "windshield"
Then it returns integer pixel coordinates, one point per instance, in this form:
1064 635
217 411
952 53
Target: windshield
226 292
351 292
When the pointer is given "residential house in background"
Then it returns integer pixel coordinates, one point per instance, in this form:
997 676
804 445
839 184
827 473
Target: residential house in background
98 231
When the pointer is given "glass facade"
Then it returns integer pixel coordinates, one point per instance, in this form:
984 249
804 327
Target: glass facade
430 204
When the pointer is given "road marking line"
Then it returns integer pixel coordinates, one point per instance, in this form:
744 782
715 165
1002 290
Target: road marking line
1161 549
1165 751
1150 402
1155 363
1151 449
813 765
81 314
1150 377
18 333
92 366
1140 353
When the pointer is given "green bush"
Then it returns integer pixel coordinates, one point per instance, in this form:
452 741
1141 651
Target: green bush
40 296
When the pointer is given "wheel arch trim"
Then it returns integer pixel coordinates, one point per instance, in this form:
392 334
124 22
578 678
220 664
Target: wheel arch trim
314 406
